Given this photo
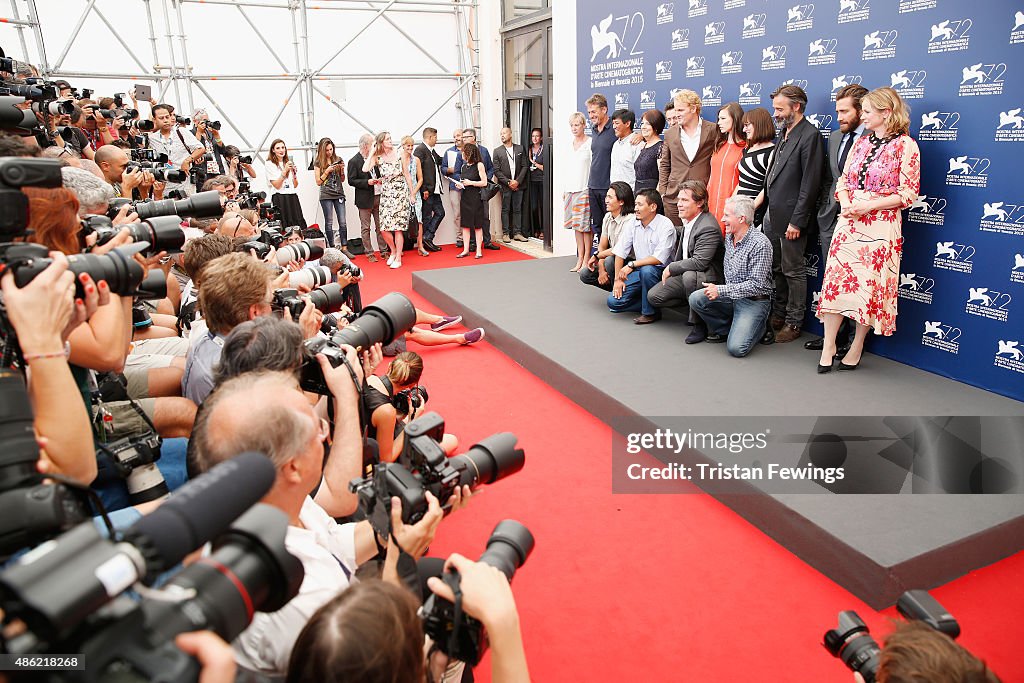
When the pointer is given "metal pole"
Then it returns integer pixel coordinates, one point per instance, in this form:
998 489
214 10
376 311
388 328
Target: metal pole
187 70
152 39
74 34
222 113
358 33
346 112
410 38
310 104
33 16
278 117
303 114
170 50
462 86
119 38
21 29
460 38
260 35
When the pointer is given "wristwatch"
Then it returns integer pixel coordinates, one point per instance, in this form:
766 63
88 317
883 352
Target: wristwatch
631 265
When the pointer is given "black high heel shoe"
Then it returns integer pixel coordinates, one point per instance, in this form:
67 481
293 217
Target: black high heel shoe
823 369
848 368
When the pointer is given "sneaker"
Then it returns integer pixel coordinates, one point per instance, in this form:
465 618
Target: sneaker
391 259
445 322
506 238
372 258
473 336
520 238
787 334
396 263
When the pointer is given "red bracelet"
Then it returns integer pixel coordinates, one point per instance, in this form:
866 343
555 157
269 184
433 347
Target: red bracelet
63 353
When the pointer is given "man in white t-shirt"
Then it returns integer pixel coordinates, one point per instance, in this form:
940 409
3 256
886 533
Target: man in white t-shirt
181 147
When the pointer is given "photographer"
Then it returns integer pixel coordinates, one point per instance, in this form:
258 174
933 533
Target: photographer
234 224
236 164
341 269
267 412
42 314
113 162
372 632
96 128
181 147
209 136
916 652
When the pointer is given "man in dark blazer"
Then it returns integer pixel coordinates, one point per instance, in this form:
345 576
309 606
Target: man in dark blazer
840 143
791 191
510 169
687 151
432 188
697 259
367 197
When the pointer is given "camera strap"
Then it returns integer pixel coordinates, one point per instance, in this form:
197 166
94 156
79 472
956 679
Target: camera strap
454 581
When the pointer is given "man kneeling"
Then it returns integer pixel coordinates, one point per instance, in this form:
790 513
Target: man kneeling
738 309
651 238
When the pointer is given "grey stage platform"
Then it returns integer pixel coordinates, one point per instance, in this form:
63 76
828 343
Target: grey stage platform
875 546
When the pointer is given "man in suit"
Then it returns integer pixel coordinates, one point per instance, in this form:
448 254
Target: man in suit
367 197
697 259
840 143
791 191
687 151
469 137
510 171
432 188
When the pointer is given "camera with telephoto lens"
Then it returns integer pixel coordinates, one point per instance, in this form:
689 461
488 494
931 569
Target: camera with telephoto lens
244 187
852 643
92 109
53 107
148 155
271 235
182 120
383 320
121 272
326 299
249 569
270 213
30 511
16 173
250 200
147 126
134 458
126 114
162 233
245 159
160 172
304 250
261 248
15 120
200 205
408 400
317 276
216 125
459 635
350 269
424 466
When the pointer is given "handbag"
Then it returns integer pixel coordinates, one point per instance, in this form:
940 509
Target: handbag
487 192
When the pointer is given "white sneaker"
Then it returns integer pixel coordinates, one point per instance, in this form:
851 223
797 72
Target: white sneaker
391 259
397 263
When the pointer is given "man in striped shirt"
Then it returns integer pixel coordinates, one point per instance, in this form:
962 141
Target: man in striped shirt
737 311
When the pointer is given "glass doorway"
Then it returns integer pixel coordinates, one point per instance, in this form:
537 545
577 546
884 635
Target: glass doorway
525 118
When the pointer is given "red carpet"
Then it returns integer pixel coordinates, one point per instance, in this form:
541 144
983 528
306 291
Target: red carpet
649 588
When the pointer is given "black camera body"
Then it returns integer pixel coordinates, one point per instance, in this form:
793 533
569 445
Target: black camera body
122 273
852 643
459 635
410 399
245 159
288 300
262 249
271 236
134 458
149 155
351 269
271 213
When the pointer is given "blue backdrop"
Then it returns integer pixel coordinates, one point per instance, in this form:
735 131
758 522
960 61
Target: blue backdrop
961 307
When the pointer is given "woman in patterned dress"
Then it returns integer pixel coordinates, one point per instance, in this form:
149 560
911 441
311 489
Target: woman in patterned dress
396 197
576 199
882 176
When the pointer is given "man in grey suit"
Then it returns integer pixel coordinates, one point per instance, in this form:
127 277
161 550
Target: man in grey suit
510 171
791 191
840 143
697 259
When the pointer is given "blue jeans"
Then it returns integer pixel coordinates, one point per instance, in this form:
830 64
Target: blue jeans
634 296
113 490
329 207
742 319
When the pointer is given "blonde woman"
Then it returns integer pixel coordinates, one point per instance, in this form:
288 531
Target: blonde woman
396 196
576 199
416 173
284 180
882 176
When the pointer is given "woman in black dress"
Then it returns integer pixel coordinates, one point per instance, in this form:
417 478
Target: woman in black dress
646 164
472 204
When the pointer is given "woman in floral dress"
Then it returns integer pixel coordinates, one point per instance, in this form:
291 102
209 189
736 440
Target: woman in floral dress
395 197
882 176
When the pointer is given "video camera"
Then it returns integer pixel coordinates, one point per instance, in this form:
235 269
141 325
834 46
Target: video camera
69 593
383 320
458 635
200 205
424 466
852 642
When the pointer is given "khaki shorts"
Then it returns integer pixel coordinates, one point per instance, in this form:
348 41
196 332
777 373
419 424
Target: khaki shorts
126 420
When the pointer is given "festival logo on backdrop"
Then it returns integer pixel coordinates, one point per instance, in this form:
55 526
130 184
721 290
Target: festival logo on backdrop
800 18
1017 271
928 210
663 70
842 80
988 303
938 335
773 57
938 126
950 35
914 287
665 13
714 33
1011 126
982 79
909 83
968 171
879 45
754 25
798 82
1017 32
916 5
1009 355
616 42
954 257
681 39
822 51
694 67
823 122
854 10
711 96
732 62
621 101
698 8
735 4
750 94
648 99
1003 217
811 263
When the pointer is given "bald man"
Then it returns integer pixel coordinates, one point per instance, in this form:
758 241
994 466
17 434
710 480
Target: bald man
235 225
510 169
112 162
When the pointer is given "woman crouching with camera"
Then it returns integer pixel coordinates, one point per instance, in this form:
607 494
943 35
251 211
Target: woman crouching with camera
394 400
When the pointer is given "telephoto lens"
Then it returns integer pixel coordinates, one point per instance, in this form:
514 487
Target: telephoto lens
182 120
383 320
200 205
215 125
328 298
121 272
169 175
310 277
494 458
304 250
147 126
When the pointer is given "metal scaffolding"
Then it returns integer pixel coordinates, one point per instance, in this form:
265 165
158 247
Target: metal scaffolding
177 72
